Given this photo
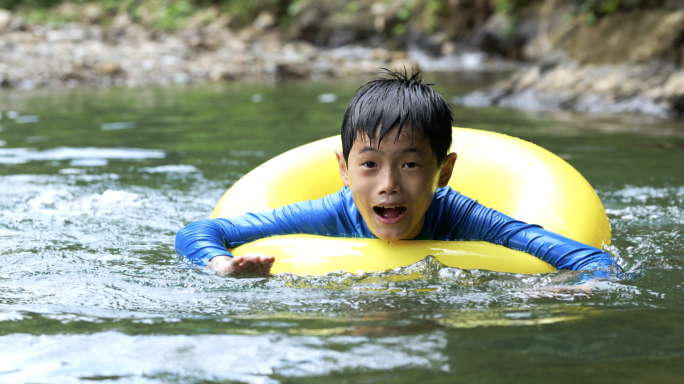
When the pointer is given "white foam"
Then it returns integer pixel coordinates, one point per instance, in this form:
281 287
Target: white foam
118 125
41 358
64 202
632 193
327 98
181 168
22 155
88 163
71 171
11 316
11 160
464 61
247 153
28 119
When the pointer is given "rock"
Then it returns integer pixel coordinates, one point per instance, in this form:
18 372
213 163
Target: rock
74 34
300 52
321 69
296 70
381 12
401 64
23 38
94 32
674 86
448 48
219 24
627 62
129 54
68 11
349 30
265 20
307 25
572 86
635 37
397 55
247 34
201 18
17 23
528 77
92 12
181 78
341 37
27 84
191 38
506 36
214 41
107 68
5 19
121 21
216 33
381 54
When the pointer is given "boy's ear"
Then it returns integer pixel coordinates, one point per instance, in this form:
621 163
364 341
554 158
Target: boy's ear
343 167
447 170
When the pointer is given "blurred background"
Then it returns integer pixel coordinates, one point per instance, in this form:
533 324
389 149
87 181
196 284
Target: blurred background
122 121
585 55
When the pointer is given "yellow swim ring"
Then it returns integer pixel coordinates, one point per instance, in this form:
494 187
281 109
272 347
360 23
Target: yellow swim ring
508 174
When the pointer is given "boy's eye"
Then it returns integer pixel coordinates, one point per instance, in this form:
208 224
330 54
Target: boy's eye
369 164
410 165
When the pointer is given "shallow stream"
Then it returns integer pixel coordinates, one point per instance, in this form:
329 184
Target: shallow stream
94 185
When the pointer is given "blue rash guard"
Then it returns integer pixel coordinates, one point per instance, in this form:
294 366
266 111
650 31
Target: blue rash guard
451 216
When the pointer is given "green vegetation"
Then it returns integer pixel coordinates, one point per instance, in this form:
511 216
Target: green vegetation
157 14
169 15
429 16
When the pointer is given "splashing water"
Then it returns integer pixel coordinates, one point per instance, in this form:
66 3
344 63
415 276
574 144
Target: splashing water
91 288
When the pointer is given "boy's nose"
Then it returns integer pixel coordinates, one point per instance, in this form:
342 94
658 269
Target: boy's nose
388 184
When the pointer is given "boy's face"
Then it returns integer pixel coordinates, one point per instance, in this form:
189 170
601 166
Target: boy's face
393 185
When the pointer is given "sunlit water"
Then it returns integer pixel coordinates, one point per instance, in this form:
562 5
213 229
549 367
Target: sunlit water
94 185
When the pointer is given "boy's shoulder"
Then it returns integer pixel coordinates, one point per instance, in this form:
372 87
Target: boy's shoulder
448 205
447 195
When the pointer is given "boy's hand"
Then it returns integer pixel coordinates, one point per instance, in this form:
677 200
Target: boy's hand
256 263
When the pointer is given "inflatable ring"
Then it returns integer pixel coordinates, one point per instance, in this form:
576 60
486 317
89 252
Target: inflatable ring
510 175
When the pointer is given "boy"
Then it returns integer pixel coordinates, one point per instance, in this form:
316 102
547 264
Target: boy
395 167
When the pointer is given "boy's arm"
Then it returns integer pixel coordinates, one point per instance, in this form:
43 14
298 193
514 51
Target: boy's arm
470 220
204 240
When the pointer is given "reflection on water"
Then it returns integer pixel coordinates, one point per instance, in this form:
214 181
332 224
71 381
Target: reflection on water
79 156
161 357
91 289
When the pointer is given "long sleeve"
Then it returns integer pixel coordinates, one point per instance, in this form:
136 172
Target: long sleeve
453 216
333 215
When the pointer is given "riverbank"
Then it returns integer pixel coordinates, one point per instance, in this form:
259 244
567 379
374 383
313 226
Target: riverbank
121 52
627 58
129 55
627 62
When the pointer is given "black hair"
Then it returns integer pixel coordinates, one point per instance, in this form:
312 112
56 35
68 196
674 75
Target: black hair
398 101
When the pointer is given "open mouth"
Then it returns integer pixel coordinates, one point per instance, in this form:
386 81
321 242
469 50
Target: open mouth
389 214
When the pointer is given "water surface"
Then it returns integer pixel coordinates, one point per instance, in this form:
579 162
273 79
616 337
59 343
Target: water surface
95 183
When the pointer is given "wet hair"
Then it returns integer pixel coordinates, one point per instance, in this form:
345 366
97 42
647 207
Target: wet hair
398 101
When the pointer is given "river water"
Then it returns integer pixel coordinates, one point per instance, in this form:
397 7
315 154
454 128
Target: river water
95 183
